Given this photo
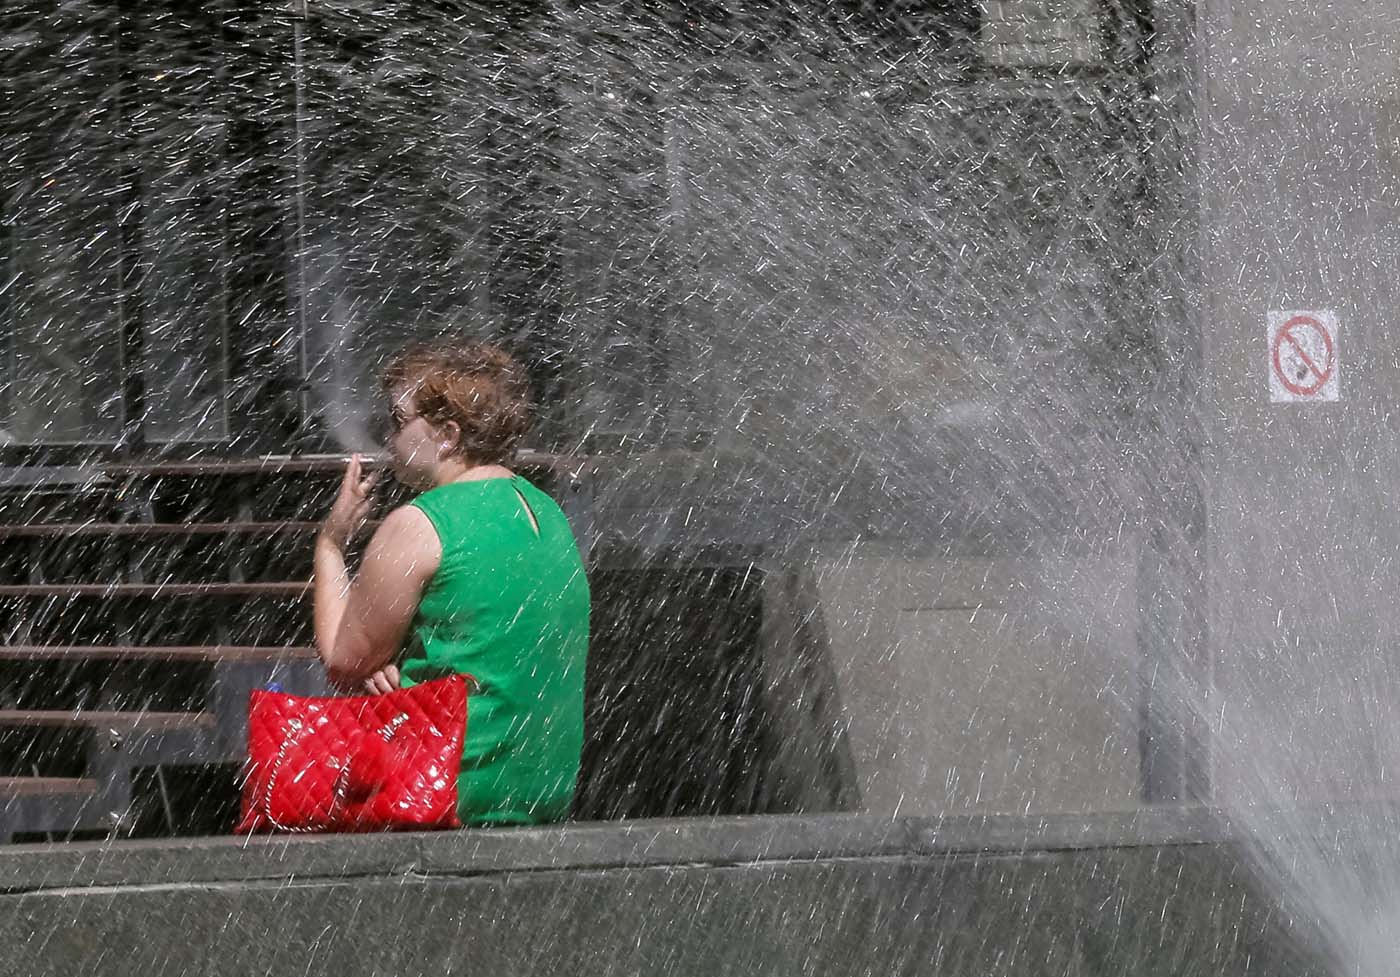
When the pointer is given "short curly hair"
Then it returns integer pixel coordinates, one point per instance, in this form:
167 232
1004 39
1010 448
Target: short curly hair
479 386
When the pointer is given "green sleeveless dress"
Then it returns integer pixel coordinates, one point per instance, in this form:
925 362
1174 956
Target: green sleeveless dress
509 605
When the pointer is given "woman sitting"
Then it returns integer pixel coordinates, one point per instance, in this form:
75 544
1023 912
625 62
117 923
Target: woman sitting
480 574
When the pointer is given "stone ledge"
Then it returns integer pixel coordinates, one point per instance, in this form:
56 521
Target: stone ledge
585 846
1153 893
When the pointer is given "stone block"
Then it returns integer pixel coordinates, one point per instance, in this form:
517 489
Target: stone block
1052 53
1029 10
1040 31
957 698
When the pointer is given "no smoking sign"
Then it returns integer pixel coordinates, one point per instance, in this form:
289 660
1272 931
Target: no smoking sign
1304 360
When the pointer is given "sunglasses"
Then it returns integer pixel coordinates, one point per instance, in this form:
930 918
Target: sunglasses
390 423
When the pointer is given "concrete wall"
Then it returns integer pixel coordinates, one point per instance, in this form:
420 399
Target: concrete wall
837 896
1299 197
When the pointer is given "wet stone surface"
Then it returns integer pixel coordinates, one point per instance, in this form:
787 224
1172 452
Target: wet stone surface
842 895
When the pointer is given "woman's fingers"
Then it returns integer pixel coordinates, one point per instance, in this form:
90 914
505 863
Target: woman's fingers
353 503
356 481
350 478
384 681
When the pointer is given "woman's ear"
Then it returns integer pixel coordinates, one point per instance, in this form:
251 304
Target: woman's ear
451 433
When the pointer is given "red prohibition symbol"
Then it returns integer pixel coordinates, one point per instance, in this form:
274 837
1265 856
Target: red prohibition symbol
1311 376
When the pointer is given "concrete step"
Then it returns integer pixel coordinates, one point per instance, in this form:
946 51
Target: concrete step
46 787
146 722
192 653
64 530
145 590
50 804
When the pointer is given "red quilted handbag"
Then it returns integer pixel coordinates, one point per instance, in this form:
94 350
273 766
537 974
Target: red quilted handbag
355 763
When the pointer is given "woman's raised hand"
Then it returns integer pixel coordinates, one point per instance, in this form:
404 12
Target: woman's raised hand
351 507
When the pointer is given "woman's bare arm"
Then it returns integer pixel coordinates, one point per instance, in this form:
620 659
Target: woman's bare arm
330 582
361 623
331 591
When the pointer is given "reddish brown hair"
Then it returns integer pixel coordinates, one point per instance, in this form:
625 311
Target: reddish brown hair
481 387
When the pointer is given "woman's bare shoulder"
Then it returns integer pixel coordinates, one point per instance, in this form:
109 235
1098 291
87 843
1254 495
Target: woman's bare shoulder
406 532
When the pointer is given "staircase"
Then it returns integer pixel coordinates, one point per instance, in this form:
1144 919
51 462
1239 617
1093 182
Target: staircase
139 605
